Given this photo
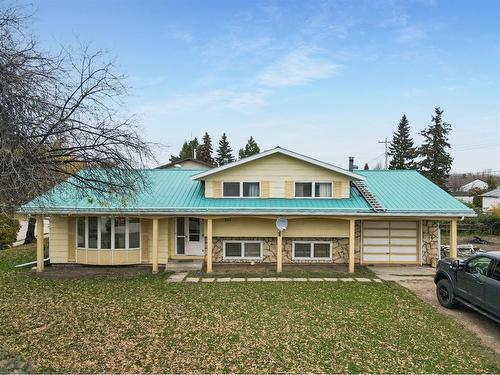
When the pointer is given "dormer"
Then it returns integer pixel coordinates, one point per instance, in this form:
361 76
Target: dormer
278 173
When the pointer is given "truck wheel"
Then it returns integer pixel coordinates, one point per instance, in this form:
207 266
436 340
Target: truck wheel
445 295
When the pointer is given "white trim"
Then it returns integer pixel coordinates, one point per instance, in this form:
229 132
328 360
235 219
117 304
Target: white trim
311 250
439 241
242 242
421 225
279 150
313 189
241 188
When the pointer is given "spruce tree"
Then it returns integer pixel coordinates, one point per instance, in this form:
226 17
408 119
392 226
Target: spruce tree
402 149
224 152
436 162
205 150
251 148
187 150
367 167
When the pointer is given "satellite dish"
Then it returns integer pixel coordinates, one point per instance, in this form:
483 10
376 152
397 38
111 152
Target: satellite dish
281 223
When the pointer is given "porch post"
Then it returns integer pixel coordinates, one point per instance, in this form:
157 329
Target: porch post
209 246
351 245
39 244
453 239
279 253
155 245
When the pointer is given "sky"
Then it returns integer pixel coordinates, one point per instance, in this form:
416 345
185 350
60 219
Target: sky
328 79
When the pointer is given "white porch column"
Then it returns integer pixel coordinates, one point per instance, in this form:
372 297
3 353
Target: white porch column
279 253
155 246
40 265
352 236
209 245
453 239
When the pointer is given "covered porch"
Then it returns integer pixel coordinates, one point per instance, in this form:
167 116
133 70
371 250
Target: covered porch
217 239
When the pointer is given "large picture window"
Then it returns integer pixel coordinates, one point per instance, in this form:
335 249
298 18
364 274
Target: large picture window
242 249
312 249
106 233
313 189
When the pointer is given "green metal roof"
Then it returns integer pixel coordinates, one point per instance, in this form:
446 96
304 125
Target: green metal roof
174 191
409 191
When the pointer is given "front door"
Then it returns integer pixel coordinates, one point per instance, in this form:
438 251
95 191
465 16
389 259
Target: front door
189 236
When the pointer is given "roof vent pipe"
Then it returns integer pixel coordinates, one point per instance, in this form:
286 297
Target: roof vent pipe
351 163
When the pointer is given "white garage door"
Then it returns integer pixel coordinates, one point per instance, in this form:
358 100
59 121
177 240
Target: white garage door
390 242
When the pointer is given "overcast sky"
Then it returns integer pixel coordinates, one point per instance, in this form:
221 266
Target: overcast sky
325 78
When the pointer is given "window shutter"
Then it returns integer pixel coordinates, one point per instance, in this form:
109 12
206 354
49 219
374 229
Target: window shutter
289 189
71 239
337 189
217 189
264 189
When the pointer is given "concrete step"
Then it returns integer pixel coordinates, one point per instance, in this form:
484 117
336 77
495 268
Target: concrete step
184 265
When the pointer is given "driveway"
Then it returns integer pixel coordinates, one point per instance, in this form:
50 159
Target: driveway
420 281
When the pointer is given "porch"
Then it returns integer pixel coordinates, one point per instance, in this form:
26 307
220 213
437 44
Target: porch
242 241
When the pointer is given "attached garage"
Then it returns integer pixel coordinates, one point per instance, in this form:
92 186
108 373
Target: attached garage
390 242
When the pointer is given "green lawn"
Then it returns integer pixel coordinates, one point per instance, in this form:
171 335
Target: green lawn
144 324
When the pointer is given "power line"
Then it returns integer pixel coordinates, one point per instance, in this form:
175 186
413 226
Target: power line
386 142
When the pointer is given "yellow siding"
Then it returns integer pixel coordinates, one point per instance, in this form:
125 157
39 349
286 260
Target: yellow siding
257 227
264 189
277 169
163 229
71 239
58 239
145 240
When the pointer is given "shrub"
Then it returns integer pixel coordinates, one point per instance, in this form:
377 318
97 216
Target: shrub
8 231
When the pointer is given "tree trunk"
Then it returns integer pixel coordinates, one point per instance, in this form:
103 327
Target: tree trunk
30 233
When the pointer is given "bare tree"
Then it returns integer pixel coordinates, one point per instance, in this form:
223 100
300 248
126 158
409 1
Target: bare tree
60 114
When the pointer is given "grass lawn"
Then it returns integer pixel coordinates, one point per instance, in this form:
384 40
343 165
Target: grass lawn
143 324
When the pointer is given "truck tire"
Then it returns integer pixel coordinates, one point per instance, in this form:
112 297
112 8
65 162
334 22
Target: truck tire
445 294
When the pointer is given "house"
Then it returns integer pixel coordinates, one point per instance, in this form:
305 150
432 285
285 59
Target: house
229 214
474 184
491 199
464 187
189 163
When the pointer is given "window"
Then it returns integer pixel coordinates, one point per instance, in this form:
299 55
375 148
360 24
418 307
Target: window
479 265
231 189
117 233
80 232
251 189
496 273
105 224
312 250
241 189
243 249
306 189
120 229
134 233
323 190
303 189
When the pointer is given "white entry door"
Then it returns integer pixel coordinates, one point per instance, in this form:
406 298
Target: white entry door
189 236
390 242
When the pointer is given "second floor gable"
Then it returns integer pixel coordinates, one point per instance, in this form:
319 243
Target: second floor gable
278 173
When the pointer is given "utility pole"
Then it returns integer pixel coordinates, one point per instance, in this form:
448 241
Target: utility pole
386 142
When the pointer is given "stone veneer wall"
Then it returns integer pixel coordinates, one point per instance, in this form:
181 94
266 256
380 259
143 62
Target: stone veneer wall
340 249
430 241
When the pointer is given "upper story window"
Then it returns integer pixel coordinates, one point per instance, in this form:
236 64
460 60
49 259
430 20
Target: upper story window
313 189
241 189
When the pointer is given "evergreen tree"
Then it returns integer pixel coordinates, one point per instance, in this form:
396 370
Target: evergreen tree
205 150
436 163
187 150
251 148
402 149
224 152
367 167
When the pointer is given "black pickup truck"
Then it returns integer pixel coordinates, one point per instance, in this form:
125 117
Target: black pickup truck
474 282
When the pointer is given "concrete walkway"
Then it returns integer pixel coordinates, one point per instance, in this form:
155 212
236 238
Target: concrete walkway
181 277
404 273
